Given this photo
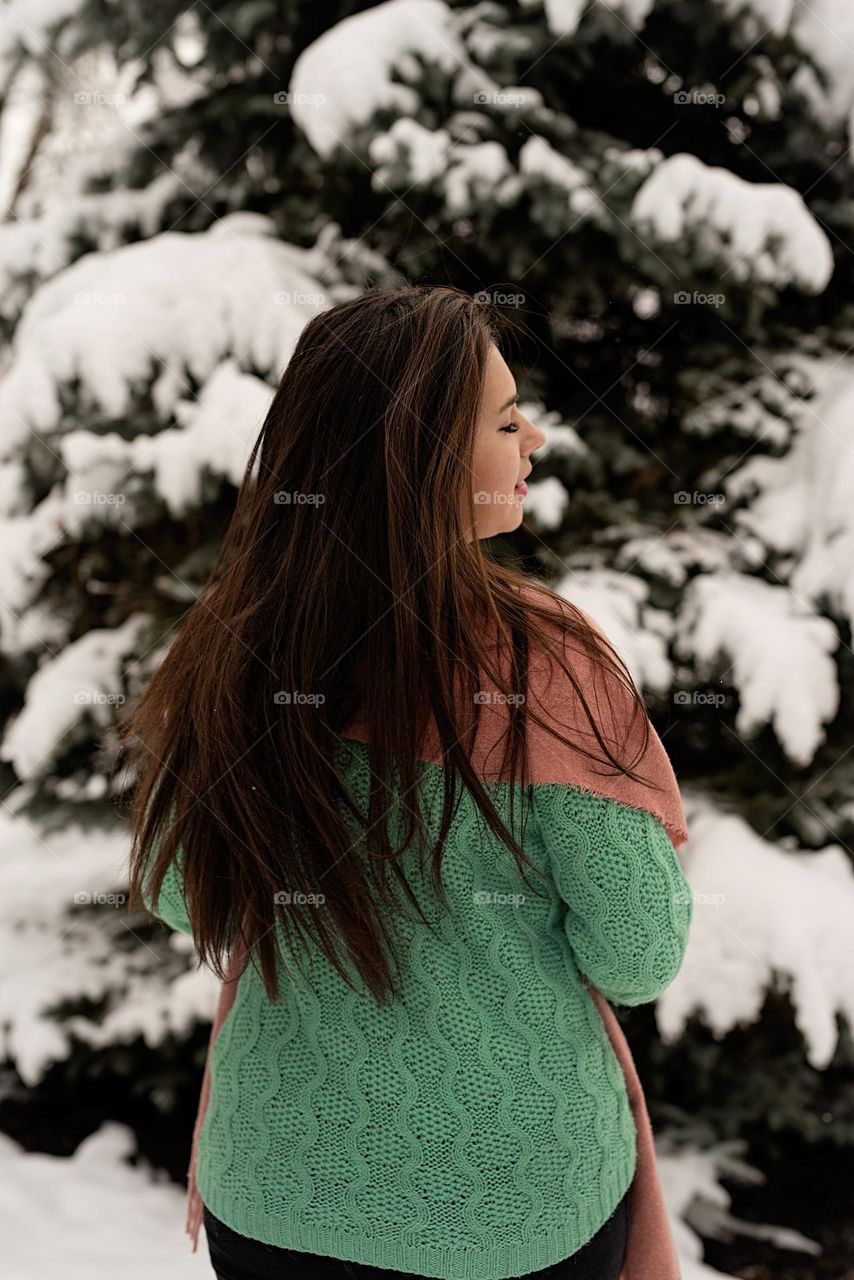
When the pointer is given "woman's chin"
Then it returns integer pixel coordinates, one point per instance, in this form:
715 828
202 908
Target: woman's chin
512 519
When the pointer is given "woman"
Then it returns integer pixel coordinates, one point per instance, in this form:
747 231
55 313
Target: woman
410 1075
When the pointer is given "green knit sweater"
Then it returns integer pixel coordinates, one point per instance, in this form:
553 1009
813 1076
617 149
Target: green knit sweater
478 1128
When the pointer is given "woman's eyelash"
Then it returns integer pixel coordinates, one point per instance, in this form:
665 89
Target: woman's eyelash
511 427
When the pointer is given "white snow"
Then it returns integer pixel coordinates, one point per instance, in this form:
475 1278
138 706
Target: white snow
561 439
618 603
777 654
563 16
692 1182
106 1217
539 160
164 308
470 174
477 175
675 554
425 151
762 408
408 155
41 246
823 29
215 437
343 78
803 502
758 231
537 156
773 15
26 24
63 935
646 303
70 695
547 502
763 916
19 126
26 539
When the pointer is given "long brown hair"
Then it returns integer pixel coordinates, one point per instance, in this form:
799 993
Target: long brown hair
359 588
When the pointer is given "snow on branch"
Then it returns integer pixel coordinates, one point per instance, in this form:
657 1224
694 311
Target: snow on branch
765 916
777 653
147 317
755 231
356 68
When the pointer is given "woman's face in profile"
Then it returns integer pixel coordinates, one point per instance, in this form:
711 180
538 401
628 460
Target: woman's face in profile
504 441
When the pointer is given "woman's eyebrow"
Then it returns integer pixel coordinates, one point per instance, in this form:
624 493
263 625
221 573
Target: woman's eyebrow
507 403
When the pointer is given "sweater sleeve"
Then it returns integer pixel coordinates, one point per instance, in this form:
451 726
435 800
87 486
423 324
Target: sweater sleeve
171 904
628 903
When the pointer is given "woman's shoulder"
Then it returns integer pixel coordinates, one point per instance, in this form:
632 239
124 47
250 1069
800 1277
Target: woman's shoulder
552 617
579 687
564 635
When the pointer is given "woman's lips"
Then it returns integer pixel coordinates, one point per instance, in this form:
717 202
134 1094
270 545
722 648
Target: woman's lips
522 488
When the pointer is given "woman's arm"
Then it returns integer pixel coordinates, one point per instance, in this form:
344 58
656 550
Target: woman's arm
171 906
628 903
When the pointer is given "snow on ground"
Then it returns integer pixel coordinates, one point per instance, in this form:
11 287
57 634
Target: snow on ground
92 1215
107 1217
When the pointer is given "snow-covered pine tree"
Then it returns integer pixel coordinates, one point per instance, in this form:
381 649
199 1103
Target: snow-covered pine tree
149 304
661 191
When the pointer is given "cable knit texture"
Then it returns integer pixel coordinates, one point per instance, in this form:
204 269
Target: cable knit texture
479 1127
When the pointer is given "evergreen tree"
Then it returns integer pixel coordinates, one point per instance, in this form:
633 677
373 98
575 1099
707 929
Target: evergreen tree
661 192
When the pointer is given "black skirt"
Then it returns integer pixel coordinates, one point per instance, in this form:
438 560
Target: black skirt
237 1257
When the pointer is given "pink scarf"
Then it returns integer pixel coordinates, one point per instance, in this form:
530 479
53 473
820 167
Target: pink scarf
651 1251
